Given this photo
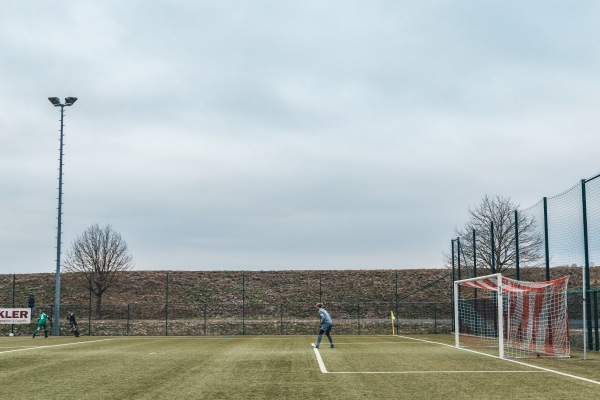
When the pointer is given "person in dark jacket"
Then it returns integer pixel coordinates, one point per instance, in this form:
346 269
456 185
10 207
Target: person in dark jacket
31 303
73 322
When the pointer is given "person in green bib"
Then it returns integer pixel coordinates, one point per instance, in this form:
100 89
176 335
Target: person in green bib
42 323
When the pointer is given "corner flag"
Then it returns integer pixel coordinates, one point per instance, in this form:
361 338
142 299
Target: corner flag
393 318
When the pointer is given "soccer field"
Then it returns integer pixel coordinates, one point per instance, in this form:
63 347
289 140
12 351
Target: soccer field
281 367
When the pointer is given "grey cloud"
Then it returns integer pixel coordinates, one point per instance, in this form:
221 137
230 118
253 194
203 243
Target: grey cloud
220 134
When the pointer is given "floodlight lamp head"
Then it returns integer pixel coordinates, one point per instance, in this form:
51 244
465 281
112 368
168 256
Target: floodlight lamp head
69 101
54 100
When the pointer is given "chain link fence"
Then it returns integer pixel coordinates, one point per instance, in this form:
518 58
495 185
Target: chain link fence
242 303
203 319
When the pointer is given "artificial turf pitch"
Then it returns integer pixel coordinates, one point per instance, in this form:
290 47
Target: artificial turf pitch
280 367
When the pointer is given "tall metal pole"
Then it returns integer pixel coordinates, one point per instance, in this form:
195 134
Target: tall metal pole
90 309
474 261
452 241
167 307
452 289
320 289
69 101
59 227
281 318
493 240
517 265
243 304
546 241
458 248
587 317
596 345
358 314
397 317
12 326
474 255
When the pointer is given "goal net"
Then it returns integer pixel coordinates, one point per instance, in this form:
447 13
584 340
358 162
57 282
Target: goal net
520 319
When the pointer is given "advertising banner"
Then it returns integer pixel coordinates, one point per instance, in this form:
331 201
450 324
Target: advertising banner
15 315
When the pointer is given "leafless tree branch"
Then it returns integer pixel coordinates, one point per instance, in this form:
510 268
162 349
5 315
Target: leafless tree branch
500 211
95 257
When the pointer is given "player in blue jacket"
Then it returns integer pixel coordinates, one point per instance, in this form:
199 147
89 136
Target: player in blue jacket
326 324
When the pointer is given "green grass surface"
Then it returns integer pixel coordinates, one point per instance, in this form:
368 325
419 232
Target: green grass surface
278 367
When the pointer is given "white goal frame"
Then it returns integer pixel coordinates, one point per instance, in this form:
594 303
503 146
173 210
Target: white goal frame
530 319
500 313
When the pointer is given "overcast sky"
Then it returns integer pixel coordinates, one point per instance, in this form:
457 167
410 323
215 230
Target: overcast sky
287 135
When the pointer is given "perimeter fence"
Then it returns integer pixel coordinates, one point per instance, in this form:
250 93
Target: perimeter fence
356 318
242 303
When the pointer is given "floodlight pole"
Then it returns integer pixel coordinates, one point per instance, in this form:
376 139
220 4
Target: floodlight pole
58 228
56 102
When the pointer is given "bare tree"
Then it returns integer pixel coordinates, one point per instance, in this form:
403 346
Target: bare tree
500 211
96 256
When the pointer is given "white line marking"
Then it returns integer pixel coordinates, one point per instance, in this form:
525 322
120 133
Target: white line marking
174 337
509 360
52 345
369 343
444 372
324 370
319 359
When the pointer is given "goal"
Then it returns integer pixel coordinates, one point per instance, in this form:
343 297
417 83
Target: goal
520 319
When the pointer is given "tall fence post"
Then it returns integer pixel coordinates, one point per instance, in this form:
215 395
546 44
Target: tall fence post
243 304
51 316
320 289
167 307
452 287
458 251
12 326
358 313
281 319
197 314
14 286
474 260
586 273
434 317
596 344
396 320
205 307
474 254
90 308
493 241
517 266
452 241
546 241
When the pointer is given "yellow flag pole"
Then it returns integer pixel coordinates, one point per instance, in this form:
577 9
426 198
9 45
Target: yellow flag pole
393 322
